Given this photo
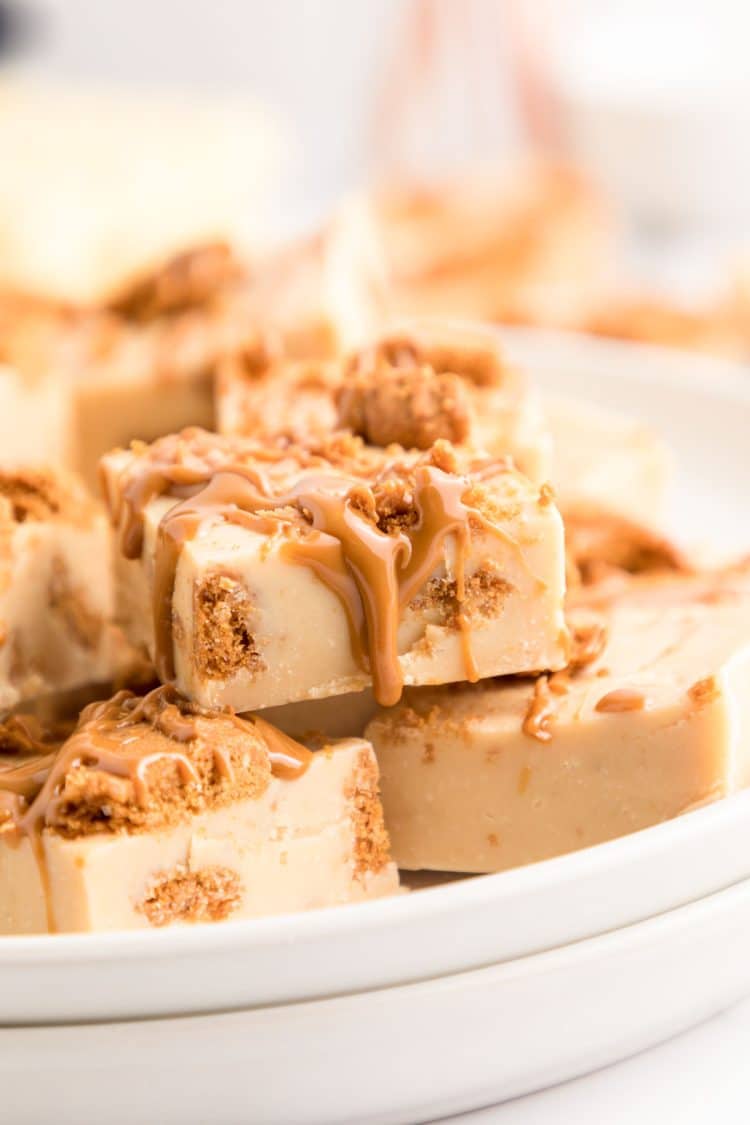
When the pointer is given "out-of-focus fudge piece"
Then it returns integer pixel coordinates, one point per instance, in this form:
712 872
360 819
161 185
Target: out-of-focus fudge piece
413 386
335 716
326 294
606 550
262 574
655 722
600 457
154 812
141 362
530 244
56 598
112 181
139 367
654 319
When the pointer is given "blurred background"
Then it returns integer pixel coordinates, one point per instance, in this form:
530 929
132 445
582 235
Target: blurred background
270 114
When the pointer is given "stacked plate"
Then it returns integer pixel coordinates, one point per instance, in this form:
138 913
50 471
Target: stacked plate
447 998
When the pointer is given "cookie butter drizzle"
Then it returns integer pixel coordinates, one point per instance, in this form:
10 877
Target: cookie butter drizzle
374 573
30 793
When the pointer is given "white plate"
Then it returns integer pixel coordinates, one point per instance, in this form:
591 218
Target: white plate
397 1055
703 408
427 934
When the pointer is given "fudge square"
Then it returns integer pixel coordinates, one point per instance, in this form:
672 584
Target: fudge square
260 574
424 381
154 812
650 720
56 596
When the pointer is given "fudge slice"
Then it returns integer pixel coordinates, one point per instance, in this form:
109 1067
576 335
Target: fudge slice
604 458
154 812
260 574
139 366
56 597
652 719
425 381
528 244
326 294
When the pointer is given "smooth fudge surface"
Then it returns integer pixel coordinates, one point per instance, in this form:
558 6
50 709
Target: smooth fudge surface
652 719
604 458
153 811
261 574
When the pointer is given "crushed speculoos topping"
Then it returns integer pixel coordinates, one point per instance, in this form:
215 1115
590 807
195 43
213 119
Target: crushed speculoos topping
442 349
136 764
412 408
209 894
372 846
38 496
187 280
224 641
599 542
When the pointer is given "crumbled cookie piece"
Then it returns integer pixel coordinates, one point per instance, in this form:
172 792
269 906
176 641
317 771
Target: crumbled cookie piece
185 281
224 638
181 895
413 408
599 541
371 843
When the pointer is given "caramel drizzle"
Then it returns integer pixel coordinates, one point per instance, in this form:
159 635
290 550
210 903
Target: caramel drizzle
30 794
622 699
374 574
540 713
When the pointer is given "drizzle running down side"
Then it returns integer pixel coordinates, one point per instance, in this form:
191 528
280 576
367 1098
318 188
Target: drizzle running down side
260 573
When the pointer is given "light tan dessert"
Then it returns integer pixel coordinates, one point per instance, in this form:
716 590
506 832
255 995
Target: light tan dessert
113 180
603 458
56 597
651 719
652 319
412 386
335 716
529 244
154 812
262 574
323 295
91 379
141 363
606 552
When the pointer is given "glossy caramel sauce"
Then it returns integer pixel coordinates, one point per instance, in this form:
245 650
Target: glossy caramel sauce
331 524
30 792
622 699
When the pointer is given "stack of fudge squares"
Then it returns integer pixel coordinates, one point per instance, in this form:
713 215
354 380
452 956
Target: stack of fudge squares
325 617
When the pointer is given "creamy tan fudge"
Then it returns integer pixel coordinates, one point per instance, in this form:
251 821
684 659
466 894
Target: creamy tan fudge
424 381
141 366
113 180
606 552
335 716
604 458
652 318
652 720
141 362
260 574
153 812
56 595
528 244
323 295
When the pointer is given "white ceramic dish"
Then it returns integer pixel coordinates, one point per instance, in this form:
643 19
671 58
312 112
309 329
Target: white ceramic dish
703 408
405 1054
446 929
